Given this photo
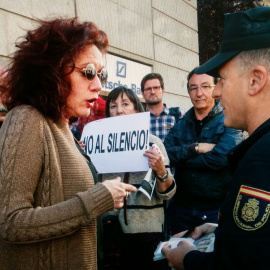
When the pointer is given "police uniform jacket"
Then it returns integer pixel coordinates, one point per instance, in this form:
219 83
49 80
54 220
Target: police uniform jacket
243 235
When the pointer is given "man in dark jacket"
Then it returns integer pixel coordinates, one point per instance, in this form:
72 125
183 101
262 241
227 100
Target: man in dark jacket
243 234
197 147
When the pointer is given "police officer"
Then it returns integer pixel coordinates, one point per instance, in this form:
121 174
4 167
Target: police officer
243 65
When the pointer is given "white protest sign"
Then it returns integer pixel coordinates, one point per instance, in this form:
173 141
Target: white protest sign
117 144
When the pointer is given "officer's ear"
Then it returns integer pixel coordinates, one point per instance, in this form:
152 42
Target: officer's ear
258 79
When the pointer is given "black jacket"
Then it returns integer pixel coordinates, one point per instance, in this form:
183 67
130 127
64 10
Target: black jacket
243 235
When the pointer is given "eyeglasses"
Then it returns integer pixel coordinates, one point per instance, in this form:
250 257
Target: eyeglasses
155 88
90 72
204 87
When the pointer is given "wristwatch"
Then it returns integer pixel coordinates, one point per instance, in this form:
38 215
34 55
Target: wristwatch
164 177
197 148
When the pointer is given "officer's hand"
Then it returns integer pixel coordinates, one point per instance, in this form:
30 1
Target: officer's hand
176 256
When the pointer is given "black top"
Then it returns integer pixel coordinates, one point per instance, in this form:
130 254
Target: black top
243 235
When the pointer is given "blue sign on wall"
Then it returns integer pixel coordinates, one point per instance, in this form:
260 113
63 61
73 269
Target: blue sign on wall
121 70
125 72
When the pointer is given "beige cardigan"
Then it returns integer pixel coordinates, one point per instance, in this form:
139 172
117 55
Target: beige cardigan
48 201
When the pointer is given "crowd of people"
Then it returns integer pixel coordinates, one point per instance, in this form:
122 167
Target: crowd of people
57 212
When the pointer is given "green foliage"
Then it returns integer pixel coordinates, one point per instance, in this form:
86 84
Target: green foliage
211 20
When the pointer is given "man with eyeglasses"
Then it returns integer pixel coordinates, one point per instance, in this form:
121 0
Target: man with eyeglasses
162 119
197 147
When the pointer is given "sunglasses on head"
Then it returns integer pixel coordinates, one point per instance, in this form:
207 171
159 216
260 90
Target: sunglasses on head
90 72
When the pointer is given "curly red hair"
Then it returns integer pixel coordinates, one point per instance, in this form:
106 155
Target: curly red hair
37 74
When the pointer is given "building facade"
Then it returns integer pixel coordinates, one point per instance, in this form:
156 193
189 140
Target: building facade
145 36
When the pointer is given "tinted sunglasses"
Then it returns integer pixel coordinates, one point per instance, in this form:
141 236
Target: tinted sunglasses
90 72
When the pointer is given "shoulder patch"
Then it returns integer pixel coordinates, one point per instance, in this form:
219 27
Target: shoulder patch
252 208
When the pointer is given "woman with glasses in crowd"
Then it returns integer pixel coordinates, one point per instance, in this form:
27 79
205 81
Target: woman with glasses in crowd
141 219
48 200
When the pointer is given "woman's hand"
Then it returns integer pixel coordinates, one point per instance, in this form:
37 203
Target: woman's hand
155 161
119 190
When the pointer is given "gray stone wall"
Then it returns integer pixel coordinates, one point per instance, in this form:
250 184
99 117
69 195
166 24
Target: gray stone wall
162 34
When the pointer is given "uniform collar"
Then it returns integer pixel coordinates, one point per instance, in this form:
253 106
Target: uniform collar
237 153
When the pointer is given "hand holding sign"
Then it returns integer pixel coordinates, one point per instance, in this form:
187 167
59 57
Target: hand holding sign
156 163
155 160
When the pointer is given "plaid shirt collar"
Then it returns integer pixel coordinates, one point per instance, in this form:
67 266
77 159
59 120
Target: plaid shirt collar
165 111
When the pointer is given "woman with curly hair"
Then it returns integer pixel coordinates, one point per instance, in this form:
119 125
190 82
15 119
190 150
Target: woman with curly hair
48 200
